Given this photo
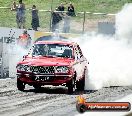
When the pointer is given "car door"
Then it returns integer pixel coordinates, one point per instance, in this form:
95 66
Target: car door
83 60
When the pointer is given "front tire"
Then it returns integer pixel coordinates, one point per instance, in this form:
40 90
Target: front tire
20 85
37 87
71 86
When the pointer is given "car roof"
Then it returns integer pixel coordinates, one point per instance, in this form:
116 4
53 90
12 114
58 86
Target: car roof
56 42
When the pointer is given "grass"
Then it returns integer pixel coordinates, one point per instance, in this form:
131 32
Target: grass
7 18
81 5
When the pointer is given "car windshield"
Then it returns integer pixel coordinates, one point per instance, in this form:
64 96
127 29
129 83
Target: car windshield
52 50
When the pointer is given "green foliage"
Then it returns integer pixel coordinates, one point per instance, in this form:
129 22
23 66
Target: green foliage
80 5
7 17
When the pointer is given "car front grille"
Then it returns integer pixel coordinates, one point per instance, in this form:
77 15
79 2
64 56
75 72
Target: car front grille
43 69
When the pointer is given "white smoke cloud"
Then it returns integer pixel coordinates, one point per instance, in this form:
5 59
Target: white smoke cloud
16 54
124 23
110 59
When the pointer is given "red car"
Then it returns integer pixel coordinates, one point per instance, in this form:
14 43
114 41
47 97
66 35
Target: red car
53 63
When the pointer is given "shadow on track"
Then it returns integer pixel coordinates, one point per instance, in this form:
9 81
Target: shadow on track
48 90
58 90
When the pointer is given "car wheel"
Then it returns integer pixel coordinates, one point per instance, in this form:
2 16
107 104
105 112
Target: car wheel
20 85
71 86
80 85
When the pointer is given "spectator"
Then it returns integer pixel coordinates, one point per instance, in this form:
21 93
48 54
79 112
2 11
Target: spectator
20 13
35 18
71 11
24 40
56 18
61 7
66 26
13 8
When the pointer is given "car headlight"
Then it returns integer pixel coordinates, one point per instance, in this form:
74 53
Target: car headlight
19 67
23 68
62 69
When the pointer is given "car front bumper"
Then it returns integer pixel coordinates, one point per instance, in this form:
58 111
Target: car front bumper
35 79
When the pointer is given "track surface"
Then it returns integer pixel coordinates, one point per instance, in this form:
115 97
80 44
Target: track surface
49 101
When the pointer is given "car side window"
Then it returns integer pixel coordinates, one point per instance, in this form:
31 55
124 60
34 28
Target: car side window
80 51
77 54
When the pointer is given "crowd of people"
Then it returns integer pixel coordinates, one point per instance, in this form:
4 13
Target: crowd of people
57 15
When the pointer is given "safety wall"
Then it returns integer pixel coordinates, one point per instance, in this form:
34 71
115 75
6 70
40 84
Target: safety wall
10 52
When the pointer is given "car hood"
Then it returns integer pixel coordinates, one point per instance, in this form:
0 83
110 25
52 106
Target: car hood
45 61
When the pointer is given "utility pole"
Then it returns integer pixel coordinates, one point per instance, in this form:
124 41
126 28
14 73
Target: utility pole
84 17
51 8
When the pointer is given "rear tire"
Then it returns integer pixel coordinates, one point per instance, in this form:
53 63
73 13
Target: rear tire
81 83
20 85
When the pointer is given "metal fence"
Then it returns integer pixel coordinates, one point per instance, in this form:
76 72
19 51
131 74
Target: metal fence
80 23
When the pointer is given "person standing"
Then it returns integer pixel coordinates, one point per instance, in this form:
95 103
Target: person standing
24 40
35 18
61 7
71 10
56 18
20 14
20 17
66 26
13 8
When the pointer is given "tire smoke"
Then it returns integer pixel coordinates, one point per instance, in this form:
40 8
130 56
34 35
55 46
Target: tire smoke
110 57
